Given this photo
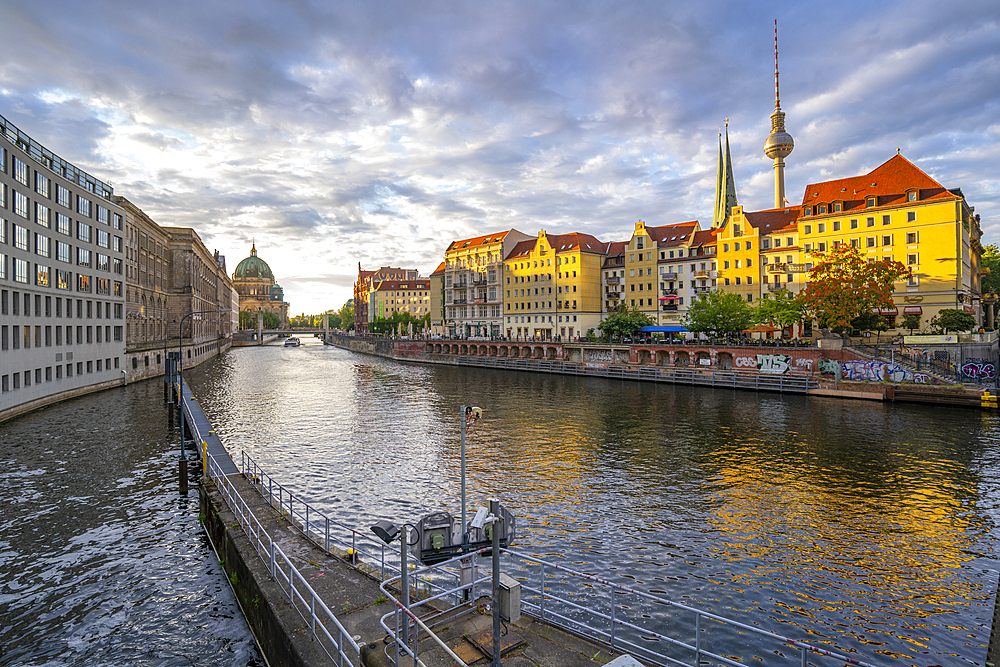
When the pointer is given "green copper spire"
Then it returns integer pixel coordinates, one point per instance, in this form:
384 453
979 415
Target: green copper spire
725 184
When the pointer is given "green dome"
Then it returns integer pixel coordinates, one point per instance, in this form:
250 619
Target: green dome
253 267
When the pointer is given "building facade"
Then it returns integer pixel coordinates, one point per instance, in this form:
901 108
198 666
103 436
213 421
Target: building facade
437 301
403 297
169 272
684 273
258 291
363 287
473 297
642 256
62 294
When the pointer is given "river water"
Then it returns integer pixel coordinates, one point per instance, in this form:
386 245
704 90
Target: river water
102 562
872 526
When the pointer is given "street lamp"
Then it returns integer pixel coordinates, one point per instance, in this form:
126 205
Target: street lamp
180 386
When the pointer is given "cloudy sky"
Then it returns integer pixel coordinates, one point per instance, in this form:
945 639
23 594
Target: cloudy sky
340 132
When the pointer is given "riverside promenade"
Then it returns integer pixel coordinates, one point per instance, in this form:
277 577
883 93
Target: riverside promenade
285 626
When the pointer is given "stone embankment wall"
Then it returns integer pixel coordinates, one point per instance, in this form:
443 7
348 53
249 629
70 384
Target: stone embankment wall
142 363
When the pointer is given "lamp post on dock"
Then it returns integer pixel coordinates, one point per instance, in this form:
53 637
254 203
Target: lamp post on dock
182 470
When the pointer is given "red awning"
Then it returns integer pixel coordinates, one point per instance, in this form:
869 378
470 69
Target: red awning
913 310
886 311
668 298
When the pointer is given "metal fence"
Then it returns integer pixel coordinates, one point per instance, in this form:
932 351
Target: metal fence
714 378
652 628
324 627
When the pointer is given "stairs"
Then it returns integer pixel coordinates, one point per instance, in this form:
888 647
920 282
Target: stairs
875 354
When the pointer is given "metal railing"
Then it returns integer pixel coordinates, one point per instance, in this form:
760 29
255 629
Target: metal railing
618 616
326 533
791 383
341 649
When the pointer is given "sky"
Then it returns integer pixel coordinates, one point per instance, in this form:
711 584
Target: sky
339 132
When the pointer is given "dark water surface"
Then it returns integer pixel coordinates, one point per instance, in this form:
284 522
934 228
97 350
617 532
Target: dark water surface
867 525
102 562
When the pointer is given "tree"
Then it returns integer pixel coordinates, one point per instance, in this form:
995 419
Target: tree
347 316
952 319
334 319
780 309
844 285
624 322
911 322
248 320
870 321
990 272
720 313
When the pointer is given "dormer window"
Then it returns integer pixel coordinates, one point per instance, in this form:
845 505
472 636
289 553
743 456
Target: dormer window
821 209
807 210
870 202
837 208
911 195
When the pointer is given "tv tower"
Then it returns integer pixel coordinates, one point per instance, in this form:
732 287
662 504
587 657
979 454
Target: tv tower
779 143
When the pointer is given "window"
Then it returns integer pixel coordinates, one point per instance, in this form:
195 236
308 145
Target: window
63 224
3 276
102 214
21 205
20 270
83 231
913 281
809 229
854 223
118 248
63 281
807 211
42 215
836 225
821 209
911 260
886 220
737 280
83 206
103 262
21 171
725 264
887 240
82 257
870 202
749 262
41 245
117 219
766 244
749 280
821 227
103 239
821 246
725 247
855 243
41 275
870 242
836 208
870 222
42 184
21 237
748 246
911 216
911 237
63 252
911 196
62 196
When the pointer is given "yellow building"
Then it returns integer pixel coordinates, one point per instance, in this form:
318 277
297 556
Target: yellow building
641 258
899 212
473 301
759 252
684 273
552 286
411 297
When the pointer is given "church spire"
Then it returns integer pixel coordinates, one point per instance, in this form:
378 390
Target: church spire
779 143
253 248
725 184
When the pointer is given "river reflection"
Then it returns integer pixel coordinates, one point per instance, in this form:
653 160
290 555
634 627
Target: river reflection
867 525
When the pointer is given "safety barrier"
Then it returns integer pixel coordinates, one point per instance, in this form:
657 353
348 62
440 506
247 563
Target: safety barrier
341 649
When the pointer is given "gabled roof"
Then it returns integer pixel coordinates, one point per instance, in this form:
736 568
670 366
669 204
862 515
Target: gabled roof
476 241
574 240
704 237
522 249
889 182
416 283
672 235
440 269
775 219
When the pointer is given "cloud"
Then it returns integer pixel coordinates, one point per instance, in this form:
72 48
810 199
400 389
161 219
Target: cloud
347 132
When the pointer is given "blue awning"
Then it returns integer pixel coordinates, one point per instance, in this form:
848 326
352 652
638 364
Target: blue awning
671 329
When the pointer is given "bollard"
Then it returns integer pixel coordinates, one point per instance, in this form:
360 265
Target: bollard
183 475
170 413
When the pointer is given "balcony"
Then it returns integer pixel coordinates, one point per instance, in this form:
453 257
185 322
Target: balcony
668 276
702 290
668 292
669 307
460 301
774 287
797 268
706 274
612 281
481 299
777 268
479 282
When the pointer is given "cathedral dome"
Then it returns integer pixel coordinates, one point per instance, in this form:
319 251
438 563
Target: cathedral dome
253 267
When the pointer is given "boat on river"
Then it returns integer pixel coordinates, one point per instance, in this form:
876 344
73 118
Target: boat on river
292 342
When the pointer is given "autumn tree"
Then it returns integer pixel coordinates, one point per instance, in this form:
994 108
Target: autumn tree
844 284
720 313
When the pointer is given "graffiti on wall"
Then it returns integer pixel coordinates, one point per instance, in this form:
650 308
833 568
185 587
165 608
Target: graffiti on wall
830 366
876 371
807 364
774 363
603 356
982 370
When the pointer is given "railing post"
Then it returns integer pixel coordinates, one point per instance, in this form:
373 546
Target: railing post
612 617
326 542
697 639
541 588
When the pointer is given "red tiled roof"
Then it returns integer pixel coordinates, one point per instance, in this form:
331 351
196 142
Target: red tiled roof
704 237
585 242
522 248
889 182
671 235
439 269
774 219
420 283
478 240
